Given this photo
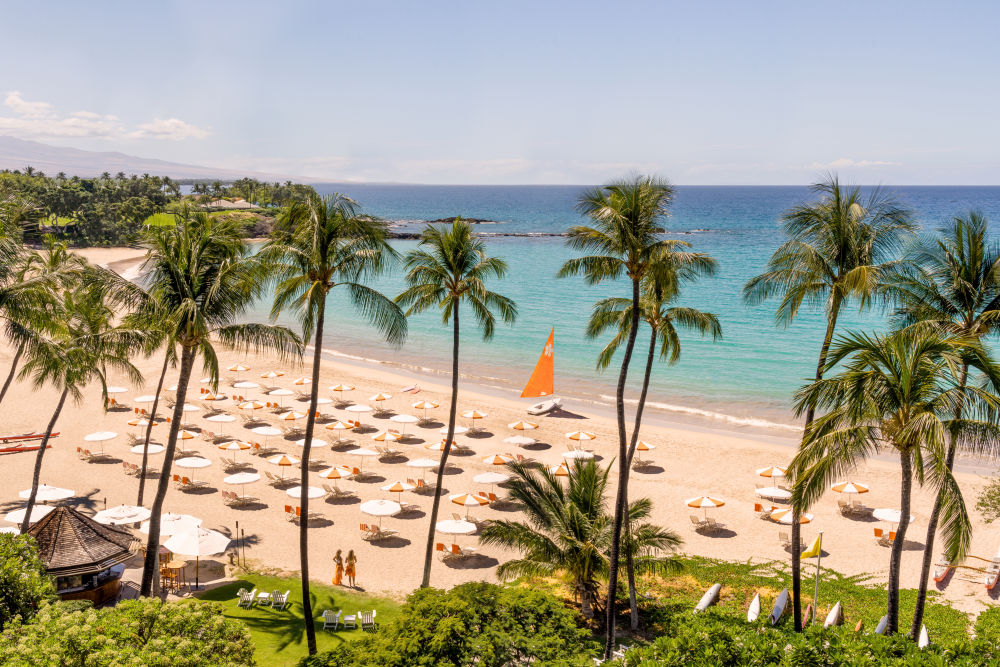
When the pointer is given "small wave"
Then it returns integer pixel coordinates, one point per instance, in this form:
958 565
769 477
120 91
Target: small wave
742 421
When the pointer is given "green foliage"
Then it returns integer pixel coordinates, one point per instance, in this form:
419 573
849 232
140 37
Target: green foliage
472 624
267 195
24 583
279 636
160 220
988 502
144 632
988 625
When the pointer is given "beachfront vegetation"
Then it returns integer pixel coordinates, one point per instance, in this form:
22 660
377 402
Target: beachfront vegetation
24 582
839 249
320 245
898 392
202 280
472 624
567 530
449 270
625 241
145 632
988 502
261 193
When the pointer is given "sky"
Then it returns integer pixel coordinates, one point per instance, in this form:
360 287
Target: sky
517 92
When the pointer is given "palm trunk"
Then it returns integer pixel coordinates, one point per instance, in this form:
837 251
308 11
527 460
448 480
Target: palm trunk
831 325
38 462
925 567
429 554
896 555
620 501
633 604
153 543
306 450
149 431
13 369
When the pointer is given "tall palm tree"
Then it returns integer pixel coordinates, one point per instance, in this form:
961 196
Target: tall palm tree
898 393
951 283
202 276
657 310
568 529
320 245
839 249
625 240
450 268
83 345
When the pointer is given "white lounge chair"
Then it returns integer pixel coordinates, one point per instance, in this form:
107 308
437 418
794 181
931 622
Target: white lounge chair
368 620
280 600
331 620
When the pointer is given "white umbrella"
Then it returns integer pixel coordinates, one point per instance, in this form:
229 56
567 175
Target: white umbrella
171 524
311 492
577 454
404 420
122 515
889 515
101 437
423 465
116 390
491 478
221 419
281 393
458 430
266 431
313 443
363 452
192 462
145 398
47 494
381 508
152 449
190 408
245 384
323 401
198 542
774 493
453 527
520 440
37 512
242 479
521 425
358 408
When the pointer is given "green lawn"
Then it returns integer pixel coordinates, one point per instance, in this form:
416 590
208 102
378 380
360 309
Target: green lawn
279 636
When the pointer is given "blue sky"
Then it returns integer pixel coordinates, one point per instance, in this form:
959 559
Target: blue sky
517 92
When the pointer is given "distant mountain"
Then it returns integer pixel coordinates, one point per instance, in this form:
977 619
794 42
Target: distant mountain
20 153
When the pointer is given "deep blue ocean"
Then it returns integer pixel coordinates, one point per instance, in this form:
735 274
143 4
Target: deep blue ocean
747 378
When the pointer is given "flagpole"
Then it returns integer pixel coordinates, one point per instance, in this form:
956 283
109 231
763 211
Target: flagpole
819 557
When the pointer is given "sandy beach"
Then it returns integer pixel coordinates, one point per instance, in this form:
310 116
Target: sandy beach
686 462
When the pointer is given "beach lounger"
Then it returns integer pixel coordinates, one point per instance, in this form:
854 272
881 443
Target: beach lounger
698 523
190 485
246 598
368 620
280 600
336 492
99 456
331 620
445 553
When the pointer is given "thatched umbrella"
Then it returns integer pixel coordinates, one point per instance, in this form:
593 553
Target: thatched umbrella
71 543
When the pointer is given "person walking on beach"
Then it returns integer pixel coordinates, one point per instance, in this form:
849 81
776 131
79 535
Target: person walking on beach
351 568
338 573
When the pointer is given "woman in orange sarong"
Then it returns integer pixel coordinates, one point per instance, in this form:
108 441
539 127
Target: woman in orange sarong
338 573
352 561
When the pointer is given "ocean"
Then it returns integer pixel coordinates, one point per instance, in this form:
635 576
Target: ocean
745 380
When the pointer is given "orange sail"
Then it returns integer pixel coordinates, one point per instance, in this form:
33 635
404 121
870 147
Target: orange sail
542 380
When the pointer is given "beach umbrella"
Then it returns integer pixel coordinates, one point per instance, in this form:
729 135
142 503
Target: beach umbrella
281 393
643 446
242 479
363 454
238 368
576 454
291 416
122 515
37 512
272 374
198 542
47 494
559 470
312 492
398 487
404 420
520 440
459 430
358 408
184 434
153 448
380 397
704 502
340 427
774 493
772 471
387 436
380 508
580 435
266 431
313 443
187 407
491 478
785 516
221 419
340 389
521 425
145 398
335 472
438 446
209 396
468 500
193 462
425 406
171 524
323 401
139 421
423 465
454 527
850 487
172 387
474 415
283 461
302 381
498 459
205 380
100 437
889 515
116 390
246 384
234 446
250 405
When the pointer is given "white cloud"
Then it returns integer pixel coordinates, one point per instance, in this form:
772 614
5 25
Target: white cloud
40 120
848 163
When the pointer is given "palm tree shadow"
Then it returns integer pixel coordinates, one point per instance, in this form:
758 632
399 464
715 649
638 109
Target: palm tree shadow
476 562
722 533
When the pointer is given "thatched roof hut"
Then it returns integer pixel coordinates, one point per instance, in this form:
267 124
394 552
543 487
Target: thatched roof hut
71 543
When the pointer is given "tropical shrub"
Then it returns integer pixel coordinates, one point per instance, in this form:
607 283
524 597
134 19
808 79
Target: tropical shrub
988 502
472 624
144 632
24 583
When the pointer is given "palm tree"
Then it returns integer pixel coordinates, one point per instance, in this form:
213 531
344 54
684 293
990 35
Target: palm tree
664 319
203 278
568 530
83 345
625 240
952 284
898 393
838 249
320 245
450 268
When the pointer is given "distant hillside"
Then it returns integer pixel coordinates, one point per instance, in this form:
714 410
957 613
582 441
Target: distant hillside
19 153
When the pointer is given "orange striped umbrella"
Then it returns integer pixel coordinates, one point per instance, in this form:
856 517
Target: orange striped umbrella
498 459
291 416
387 436
521 425
580 435
560 470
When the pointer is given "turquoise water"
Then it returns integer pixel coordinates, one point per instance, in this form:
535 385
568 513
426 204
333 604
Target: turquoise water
746 378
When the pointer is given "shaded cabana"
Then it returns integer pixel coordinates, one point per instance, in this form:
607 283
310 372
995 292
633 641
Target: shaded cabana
84 556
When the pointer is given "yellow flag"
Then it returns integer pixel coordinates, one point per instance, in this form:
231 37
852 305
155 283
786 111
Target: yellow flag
814 549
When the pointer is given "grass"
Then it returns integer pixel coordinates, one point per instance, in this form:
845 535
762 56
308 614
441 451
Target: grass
279 636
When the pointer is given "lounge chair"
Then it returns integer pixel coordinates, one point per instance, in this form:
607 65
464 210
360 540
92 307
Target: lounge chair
310 517
698 523
188 484
368 620
280 600
331 620
246 598
445 553
463 552
289 513
336 492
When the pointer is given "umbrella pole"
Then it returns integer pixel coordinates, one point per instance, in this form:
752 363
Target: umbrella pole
196 559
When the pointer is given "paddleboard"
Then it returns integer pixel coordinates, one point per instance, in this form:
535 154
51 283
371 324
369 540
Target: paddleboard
754 611
835 617
780 605
924 640
880 628
709 598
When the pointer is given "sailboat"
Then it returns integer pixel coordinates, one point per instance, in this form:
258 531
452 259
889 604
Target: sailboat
542 380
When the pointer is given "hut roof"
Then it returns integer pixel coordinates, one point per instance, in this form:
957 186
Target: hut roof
71 543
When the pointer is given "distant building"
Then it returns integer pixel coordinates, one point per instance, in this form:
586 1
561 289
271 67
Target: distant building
226 205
